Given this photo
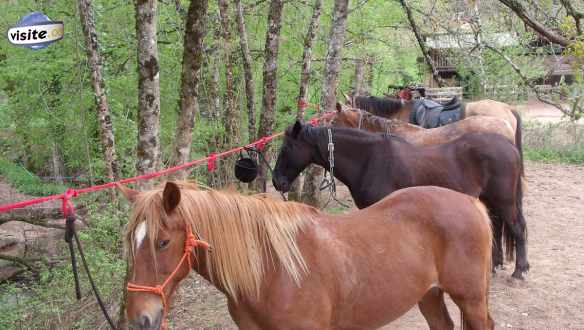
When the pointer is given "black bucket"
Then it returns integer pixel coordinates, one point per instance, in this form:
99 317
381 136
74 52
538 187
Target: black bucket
246 169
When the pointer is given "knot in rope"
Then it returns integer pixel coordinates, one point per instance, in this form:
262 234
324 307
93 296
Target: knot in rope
261 143
67 206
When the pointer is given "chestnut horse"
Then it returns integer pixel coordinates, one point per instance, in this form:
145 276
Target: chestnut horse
357 118
400 109
286 265
372 166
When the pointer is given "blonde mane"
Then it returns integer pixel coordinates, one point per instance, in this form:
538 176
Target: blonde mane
248 233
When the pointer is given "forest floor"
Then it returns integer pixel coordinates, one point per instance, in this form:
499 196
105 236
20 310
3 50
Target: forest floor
551 297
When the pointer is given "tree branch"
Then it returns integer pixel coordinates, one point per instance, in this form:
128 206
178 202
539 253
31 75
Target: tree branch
529 83
541 29
576 15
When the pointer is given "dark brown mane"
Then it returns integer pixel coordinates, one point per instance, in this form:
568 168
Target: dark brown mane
381 106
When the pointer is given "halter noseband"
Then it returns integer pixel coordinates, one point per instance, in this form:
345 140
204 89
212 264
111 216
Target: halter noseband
191 242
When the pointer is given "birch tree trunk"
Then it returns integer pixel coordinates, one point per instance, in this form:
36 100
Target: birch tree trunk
328 98
296 189
191 67
230 116
247 70
97 82
270 83
148 88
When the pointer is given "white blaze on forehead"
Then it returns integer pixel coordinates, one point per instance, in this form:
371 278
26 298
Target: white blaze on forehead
140 233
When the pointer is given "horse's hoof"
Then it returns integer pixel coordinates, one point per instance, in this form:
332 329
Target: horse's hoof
518 275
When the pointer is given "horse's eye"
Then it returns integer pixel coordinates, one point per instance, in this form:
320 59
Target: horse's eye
163 243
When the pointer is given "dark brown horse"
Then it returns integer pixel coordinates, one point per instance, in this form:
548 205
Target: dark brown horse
285 265
372 166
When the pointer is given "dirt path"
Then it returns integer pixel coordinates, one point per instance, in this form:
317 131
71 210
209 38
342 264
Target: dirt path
551 298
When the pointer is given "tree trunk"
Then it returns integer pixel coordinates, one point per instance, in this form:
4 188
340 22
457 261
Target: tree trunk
213 179
359 74
191 67
148 148
370 73
247 70
270 83
57 166
230 116
422 44
296 188
97 82
328 98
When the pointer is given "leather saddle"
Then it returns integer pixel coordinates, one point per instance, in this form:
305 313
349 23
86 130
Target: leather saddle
431 114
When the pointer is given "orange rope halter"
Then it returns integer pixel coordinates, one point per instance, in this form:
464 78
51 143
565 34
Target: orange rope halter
191 242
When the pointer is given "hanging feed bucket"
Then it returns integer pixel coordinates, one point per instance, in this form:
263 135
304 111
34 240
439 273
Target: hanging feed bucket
246 169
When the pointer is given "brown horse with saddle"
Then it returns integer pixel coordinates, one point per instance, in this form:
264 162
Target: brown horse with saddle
406 110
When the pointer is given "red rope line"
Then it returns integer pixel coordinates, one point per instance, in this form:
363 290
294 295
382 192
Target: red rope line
66 196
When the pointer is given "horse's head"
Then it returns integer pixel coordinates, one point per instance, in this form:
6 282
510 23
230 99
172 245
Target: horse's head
160 245
296 154
345 116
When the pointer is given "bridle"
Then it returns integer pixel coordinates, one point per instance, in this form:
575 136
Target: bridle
191 242
330 182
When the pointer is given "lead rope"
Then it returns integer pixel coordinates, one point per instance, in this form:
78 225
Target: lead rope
330 182
71 238
360 119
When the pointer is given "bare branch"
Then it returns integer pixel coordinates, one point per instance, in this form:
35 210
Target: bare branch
541 29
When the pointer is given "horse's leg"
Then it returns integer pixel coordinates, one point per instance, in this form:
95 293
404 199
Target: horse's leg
434 310
475 313
514 221
497 225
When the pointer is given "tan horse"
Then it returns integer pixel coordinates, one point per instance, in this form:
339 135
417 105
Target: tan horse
356 118
285 265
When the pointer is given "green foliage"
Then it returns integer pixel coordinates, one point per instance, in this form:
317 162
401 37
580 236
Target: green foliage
26 182
554 142
50 100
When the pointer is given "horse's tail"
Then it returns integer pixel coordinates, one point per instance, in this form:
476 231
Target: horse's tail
519 138
510 239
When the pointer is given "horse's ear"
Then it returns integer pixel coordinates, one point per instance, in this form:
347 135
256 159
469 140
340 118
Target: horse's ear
129 193
170 197
296 129
347 98
339 107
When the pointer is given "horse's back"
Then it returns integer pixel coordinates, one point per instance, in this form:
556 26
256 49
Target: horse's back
390 253
492 108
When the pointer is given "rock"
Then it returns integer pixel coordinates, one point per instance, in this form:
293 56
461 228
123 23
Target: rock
24 240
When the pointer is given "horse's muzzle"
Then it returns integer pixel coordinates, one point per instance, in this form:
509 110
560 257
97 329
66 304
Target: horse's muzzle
281 183
146 322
